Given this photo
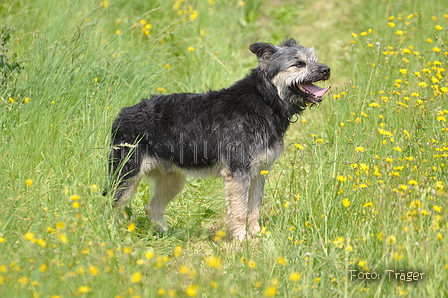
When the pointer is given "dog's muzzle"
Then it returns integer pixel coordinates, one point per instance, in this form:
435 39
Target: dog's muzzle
312 92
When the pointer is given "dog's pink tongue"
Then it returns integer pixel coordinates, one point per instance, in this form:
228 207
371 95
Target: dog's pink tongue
316 90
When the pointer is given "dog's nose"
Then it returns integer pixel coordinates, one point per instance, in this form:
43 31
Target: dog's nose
325 70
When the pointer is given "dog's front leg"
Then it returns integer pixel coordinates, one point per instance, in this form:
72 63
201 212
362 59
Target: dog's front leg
237 189
254 204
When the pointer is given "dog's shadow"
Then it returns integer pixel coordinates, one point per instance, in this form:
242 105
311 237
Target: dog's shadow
202 226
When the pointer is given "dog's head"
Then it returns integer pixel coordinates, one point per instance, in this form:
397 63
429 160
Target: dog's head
293 70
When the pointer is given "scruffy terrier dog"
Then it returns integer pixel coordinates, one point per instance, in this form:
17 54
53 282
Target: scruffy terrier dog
234 133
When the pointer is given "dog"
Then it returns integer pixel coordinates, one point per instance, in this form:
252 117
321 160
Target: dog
234 133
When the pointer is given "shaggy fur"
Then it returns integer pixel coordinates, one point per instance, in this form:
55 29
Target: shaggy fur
233 133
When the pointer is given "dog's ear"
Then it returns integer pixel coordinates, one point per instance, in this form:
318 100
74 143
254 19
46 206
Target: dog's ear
290 42
263 50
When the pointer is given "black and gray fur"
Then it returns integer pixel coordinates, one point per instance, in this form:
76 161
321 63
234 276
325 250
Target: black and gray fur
233 133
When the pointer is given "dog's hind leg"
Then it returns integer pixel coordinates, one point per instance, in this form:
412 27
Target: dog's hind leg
254 204
236 189
166 187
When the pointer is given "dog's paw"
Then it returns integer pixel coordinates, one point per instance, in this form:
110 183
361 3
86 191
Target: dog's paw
240 234
254 228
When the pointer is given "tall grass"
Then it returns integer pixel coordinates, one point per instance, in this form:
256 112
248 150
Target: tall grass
361 186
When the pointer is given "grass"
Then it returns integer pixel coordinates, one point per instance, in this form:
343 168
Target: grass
361 186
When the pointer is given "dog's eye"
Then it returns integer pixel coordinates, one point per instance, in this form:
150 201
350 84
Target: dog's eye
299 64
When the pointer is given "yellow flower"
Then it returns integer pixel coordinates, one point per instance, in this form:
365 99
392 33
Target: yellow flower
403 71
398 256
264 172
341 178
384 132
271 291
251 264
339 242
282 261
193 16
374 105
192 290
298 146
104 3
136 277
29 182
131 227
94 270
295 276
436 49
412 182
149 254
118 32
391 239
368 204
422 84
63 238
399 32
24 280
26 100
438 27
190 49
437 208
219 235
391 24
60 225
94 188
75 197
360 149
84 289
177 251
184 270
11 99
213 262
345 202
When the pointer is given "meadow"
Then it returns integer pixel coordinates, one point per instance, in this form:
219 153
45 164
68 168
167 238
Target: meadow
356 207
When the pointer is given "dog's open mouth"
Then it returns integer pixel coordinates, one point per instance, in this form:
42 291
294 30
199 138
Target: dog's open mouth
312 92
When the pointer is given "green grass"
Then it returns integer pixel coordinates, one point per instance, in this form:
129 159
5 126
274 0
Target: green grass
367 190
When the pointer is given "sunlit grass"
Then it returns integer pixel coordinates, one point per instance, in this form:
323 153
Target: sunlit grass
362 184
